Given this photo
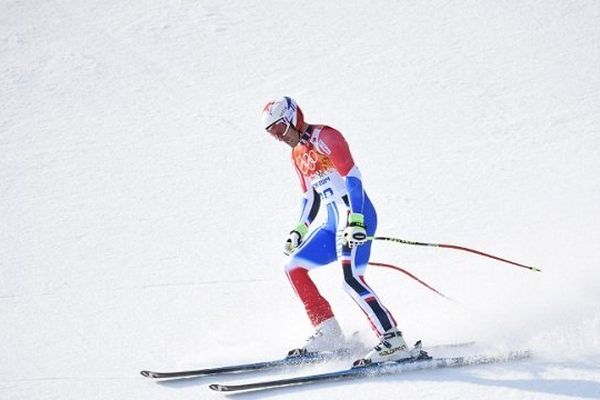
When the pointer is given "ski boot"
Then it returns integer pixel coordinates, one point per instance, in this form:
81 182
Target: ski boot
328 338
392 347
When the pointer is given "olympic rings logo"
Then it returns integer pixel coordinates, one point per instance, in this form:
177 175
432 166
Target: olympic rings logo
307 161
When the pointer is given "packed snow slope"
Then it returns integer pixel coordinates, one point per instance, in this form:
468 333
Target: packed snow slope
143 210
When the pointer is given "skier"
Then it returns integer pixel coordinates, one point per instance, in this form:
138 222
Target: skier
330 180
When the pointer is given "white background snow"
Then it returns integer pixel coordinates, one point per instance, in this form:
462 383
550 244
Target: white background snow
143 210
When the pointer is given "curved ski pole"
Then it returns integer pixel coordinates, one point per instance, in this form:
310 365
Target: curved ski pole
451 246
377 264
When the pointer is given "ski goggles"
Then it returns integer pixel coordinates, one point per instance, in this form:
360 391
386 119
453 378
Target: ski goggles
279 128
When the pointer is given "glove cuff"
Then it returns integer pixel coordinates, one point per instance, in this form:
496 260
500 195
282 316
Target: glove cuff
302 229
356 219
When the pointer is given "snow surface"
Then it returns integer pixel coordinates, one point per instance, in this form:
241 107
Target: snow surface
143 210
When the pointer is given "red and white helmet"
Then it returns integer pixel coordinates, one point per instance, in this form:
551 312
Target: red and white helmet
282 108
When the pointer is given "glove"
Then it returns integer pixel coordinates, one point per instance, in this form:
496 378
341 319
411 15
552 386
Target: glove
295 239
355 233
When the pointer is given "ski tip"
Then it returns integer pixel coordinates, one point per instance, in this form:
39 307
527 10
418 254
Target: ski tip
361 363
217 387
296 353
148 374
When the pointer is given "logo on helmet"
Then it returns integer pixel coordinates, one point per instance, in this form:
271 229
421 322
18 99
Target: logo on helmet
268 107
273 107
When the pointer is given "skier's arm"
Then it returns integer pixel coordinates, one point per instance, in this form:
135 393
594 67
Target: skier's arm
333 144
310 201
309 209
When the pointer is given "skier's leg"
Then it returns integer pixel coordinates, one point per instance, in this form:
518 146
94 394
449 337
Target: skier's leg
392 345
318 250
354 263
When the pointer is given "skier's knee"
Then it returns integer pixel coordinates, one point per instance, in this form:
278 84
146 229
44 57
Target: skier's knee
353 286
290 266
350 288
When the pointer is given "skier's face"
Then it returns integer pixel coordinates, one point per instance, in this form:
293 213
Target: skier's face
279 129
292 138
285 132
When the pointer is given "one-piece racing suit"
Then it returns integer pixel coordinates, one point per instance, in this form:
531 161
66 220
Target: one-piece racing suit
331 181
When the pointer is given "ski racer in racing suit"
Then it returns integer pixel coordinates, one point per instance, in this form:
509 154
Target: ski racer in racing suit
331 181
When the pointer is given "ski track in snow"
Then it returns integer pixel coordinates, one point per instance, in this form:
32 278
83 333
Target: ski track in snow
143 210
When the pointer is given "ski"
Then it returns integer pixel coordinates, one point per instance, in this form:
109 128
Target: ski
376 369
294 358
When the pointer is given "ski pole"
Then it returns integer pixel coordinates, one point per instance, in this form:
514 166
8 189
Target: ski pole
451 246
378 264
